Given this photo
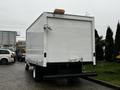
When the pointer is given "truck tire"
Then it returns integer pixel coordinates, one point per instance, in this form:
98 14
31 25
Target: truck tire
26 67
37 74
4 61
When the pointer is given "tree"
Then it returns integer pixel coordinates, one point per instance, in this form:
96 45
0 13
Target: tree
117 40
99 46
109 45
96 34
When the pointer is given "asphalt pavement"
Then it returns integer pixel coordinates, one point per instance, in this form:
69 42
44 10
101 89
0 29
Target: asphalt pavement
14 77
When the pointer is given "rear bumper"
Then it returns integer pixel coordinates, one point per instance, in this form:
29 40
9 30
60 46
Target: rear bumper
86 74
63 68
66 70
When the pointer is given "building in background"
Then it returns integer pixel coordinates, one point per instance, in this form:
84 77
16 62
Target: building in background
21 44
8 39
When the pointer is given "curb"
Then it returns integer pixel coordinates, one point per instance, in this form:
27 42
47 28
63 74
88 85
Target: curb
104 83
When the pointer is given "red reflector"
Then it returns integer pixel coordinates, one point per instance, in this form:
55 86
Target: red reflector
59 11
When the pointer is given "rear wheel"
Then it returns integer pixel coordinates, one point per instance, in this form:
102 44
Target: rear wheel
4 61
37 73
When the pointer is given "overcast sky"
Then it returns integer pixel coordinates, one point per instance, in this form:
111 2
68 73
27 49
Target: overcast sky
19 14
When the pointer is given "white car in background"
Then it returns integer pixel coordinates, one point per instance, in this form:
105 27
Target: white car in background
6 56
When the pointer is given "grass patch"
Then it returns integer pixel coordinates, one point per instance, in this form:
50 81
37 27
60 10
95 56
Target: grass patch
107 71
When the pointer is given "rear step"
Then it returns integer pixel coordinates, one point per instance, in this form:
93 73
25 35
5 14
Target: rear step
70 75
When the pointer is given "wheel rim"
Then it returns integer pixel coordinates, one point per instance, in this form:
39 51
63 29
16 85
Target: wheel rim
26 67
34 73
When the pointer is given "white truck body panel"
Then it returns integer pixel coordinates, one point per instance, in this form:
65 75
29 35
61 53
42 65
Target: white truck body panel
64 38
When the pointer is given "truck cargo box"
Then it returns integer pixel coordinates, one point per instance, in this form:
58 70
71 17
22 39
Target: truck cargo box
60 38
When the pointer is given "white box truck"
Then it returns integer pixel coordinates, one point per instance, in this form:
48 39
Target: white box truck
57 44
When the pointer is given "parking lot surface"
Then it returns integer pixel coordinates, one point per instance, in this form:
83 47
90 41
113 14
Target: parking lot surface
14 77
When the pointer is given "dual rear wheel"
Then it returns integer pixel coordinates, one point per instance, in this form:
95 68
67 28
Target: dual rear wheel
37 73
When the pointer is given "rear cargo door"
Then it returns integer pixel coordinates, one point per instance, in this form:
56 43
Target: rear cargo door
69 40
